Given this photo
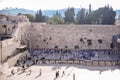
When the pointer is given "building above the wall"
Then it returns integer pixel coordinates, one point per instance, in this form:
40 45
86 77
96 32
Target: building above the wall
15 19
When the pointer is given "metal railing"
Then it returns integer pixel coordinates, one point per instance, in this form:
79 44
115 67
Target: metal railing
83 62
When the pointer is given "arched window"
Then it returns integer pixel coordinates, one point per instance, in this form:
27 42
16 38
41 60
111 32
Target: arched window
5 28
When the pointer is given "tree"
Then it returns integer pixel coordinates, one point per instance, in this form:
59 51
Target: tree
88 18
39 17
58 14
81 16
69 15
43 19
31 17
104 15
55 20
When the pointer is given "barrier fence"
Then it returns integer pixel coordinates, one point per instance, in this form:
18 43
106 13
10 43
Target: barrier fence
83 62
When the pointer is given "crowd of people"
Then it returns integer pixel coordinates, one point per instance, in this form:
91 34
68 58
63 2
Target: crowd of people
60 54
38 56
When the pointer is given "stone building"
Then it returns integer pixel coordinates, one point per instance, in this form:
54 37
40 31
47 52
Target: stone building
15 19
9 46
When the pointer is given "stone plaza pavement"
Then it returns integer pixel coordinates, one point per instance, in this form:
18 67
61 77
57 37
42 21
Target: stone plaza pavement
48 72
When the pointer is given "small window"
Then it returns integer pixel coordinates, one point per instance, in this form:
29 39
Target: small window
5 28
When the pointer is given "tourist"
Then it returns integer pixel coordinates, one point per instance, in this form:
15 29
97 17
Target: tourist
63 72
12 72
36 61
40 72
57 74
23 68
29 72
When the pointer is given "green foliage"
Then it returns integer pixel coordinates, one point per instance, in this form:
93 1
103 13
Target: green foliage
81 16
31 17
58 14
69 15
55 20
104 15
39 17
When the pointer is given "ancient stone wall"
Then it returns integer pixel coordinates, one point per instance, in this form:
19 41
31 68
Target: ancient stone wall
12 61
71 36
7 47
